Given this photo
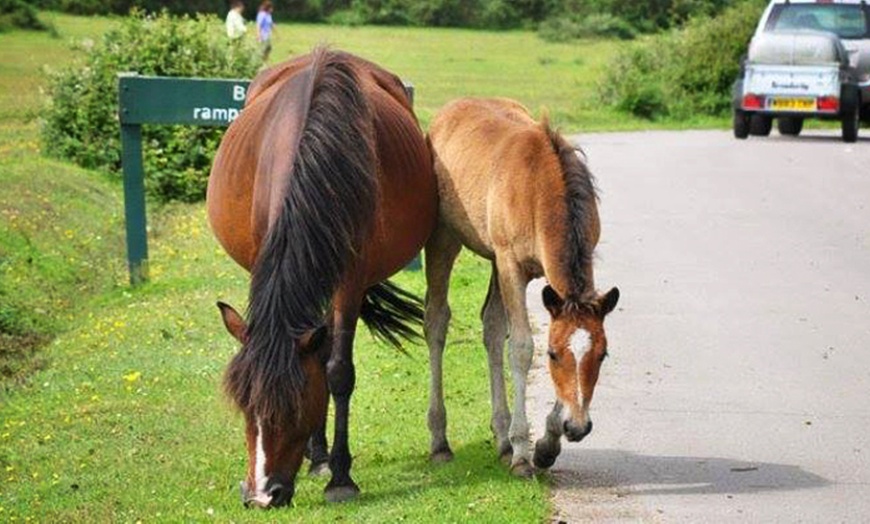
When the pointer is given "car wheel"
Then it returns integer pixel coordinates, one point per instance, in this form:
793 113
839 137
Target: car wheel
741 124
760 125
851 122
790 125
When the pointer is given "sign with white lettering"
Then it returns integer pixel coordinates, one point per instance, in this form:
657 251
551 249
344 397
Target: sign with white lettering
167 100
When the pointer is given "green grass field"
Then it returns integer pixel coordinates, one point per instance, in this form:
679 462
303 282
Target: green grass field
121 419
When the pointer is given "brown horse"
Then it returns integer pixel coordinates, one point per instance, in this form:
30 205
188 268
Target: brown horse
322 188
514 192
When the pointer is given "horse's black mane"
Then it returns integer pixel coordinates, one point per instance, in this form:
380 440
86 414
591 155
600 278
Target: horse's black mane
581 200
327 208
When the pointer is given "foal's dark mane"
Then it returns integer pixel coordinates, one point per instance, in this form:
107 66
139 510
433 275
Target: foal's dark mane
581 200
328 202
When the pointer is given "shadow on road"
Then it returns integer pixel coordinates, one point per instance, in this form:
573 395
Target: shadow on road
652 475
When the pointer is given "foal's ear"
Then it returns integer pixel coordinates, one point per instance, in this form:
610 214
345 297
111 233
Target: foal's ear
552 301
310 342
234 322
607 302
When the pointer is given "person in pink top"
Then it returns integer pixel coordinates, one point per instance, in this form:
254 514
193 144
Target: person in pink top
265 27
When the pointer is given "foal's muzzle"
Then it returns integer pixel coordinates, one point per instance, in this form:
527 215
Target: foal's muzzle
575 432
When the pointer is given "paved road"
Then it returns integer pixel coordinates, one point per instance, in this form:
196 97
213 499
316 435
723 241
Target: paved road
739 384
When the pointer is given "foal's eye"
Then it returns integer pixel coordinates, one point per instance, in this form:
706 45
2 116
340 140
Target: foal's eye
552 354
603 356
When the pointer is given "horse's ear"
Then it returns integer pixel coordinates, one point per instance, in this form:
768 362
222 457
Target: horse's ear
607 302
552 301
234 322
310 342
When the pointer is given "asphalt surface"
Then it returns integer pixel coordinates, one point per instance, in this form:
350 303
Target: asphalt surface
738 388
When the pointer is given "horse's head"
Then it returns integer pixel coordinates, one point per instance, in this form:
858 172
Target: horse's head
275 450
577 347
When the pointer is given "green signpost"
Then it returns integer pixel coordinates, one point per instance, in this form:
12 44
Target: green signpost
163 100
169 100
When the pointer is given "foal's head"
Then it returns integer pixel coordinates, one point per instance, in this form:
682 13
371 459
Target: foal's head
577 347
276 448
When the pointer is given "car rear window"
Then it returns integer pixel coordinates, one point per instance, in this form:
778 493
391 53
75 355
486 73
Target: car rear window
846 21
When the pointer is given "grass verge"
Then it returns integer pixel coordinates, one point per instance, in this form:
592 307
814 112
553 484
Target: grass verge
129 424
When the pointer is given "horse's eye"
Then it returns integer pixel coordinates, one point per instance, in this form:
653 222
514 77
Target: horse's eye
552 354
603 356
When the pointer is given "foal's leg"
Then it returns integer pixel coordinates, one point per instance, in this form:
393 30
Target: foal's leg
495 329
513 282
341 376
441 252
548 447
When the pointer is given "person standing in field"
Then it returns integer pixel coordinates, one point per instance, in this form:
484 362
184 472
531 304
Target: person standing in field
265 26
235 21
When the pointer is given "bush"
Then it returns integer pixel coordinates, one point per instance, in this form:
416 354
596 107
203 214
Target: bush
20 15
81 123
683 72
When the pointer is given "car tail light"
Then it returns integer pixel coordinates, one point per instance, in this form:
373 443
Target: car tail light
751 101
828 103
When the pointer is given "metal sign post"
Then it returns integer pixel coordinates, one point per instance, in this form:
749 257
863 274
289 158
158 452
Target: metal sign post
163 100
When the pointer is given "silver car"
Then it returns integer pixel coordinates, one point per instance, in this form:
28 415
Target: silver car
807 59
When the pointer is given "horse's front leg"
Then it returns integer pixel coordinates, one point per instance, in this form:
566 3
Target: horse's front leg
317 449
317 453
341 377
512 283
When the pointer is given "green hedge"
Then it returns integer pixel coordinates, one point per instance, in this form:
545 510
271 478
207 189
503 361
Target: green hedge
81 122
683 72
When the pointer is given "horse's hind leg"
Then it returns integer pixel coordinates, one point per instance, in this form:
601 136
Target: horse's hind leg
441 252
495 329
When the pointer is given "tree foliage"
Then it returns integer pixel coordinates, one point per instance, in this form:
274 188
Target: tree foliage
636 15
21 15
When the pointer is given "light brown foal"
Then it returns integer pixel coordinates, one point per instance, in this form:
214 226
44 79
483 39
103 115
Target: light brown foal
514 191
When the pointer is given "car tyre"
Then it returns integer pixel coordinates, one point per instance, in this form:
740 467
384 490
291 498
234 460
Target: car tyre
741 124
851 122
760 125
789 125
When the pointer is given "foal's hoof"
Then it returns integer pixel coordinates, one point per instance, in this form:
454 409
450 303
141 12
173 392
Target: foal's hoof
546 453
441 456
319 469
341 493
522 469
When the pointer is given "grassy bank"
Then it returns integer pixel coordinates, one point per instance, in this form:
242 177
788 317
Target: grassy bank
128 423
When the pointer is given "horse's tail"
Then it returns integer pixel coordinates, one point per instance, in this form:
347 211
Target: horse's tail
329 191
392 314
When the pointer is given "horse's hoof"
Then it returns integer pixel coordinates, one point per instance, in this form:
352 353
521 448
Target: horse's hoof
523 469
545 453
318 470
341 493
506 454
441 456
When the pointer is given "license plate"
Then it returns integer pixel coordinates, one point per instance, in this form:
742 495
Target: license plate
792 104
